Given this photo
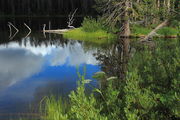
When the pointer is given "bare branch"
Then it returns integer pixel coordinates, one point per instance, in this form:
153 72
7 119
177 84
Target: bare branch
13 26
44 27
10 24
13 35
44 30
71 19
10 31
29 30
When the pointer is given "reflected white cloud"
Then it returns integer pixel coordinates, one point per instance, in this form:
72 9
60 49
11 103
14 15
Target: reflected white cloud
16 65
74 55
40 50
20 62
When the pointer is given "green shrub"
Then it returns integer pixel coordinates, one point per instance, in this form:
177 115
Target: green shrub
91 25
150 90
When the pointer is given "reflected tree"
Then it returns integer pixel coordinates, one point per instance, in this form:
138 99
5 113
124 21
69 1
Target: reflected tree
114 60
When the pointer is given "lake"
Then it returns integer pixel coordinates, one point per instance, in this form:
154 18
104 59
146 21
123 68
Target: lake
37 66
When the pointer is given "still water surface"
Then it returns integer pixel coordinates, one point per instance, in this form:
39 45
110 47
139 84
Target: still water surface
34 67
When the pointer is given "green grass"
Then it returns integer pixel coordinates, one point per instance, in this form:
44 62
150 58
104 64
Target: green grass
54 109
168 31
99 37
140 30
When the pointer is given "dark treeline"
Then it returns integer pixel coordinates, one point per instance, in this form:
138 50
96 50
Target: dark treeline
45 7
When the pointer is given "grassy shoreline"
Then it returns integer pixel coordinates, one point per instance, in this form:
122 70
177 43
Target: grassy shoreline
102 36
99 37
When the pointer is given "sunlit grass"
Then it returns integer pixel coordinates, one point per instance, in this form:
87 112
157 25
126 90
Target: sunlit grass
54 109
99 37
140 30
168 31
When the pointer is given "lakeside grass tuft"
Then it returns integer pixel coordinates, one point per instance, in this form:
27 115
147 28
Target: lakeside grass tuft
99 37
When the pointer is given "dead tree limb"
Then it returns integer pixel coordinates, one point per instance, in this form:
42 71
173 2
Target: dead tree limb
13 26
44 30
61 31
10 24
10 31
13 35
153 32
71 19
44 27
28 29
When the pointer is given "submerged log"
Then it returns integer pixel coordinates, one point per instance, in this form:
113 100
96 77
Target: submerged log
153 32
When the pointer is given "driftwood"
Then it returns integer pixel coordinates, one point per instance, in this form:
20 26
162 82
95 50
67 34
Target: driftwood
153 32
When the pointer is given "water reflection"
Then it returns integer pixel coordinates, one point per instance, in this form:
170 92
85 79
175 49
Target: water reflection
33 67
17 64
114 59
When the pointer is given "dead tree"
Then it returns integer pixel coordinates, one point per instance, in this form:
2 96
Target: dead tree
61 31
71 19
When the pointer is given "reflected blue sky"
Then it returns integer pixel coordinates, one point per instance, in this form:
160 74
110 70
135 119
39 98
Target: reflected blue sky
27 73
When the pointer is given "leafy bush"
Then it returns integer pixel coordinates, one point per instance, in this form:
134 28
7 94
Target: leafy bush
152 90
91 25
149 92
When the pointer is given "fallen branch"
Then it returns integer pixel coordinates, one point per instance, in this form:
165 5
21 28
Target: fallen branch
153 32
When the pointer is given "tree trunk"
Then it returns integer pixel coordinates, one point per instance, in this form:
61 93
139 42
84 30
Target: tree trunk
125 22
